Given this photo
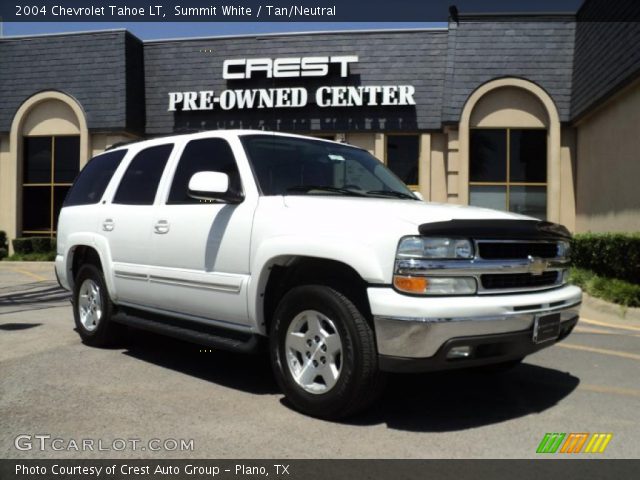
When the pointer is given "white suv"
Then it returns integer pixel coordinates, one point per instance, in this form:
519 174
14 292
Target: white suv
229 238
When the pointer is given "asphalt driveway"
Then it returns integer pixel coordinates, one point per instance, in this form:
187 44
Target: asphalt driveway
152 387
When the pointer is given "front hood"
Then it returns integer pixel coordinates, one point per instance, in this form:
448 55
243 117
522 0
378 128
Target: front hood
383 211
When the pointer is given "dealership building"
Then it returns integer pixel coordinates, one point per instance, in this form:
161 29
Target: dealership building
537 114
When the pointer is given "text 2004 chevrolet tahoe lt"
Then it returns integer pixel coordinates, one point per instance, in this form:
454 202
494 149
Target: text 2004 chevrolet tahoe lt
228 238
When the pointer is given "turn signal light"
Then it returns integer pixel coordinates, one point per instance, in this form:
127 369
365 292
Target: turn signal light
435 285
410 284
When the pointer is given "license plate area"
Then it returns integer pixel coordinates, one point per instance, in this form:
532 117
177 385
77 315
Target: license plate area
546 327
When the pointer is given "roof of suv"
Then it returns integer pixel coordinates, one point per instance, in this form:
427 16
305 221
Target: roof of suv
206 134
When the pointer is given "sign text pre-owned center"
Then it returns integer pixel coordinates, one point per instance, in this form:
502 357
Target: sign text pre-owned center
290 97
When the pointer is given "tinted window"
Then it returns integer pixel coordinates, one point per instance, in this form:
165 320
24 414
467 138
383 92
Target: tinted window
530 201
285 165
403 153
36 209
207 154
488 155
528 156
66 159
94 178
37 160
488 196
140 182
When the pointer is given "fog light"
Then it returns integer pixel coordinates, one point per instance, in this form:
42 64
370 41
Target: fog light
460 352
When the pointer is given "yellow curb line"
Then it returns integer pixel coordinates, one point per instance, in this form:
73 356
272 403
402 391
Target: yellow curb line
631 356
597 331
30 274
629 392
610 325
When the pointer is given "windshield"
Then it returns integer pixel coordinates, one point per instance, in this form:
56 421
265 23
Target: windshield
299 166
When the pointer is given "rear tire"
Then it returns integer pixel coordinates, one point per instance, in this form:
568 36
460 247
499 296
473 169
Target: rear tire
323 353
92 308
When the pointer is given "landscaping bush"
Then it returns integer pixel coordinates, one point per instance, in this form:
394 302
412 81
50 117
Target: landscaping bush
613 255
32 257
22 245
43 244
609 289
27 245
4 251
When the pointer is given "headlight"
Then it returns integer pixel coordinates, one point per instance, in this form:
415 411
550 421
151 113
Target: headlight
441 248
435 285
564 250
414 248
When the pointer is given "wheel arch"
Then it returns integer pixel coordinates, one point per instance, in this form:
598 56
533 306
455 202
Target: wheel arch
284 272
88 249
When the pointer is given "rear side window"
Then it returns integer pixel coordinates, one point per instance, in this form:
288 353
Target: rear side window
207 154
93 179
140 182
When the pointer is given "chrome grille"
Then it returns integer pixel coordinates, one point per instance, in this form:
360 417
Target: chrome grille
515 281
499 266
511 250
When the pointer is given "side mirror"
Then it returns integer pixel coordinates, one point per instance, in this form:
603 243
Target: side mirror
212 186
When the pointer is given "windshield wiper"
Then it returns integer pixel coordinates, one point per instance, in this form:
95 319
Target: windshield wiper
392 193
325 188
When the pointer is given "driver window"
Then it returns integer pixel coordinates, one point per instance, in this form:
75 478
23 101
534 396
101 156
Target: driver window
206 154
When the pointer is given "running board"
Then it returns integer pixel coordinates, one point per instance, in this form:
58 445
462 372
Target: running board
189 331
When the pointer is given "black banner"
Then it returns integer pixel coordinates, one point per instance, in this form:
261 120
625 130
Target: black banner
264 10
547 469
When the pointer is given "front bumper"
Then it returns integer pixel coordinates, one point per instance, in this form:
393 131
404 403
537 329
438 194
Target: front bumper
416 333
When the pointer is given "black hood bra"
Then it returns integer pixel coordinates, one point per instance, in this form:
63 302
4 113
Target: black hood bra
497 229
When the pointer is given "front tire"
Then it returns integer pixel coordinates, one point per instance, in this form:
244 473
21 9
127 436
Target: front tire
323 353
92 308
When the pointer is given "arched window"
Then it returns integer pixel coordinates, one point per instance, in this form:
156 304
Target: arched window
508 153
50 135
510 135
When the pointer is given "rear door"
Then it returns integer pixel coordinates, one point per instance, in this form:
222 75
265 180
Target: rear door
200 249
127 224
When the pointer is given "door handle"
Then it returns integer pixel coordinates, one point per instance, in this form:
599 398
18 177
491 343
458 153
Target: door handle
108 225
161 227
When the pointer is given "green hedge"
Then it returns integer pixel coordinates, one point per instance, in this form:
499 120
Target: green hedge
22 245
609 289
43 244
27 245
4 251
613 255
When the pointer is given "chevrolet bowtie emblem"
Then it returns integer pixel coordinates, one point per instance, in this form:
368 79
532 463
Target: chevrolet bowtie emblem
537 265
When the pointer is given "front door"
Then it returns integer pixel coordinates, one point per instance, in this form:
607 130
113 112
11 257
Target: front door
200 249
